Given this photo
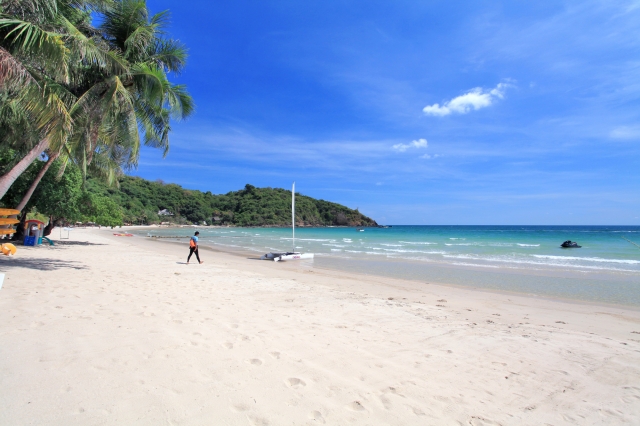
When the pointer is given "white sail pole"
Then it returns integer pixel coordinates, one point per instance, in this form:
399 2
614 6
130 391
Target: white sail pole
293 215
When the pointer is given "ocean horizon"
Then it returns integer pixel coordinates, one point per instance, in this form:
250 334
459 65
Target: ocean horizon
523 259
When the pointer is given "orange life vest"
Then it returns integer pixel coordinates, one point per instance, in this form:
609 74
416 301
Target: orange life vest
192 243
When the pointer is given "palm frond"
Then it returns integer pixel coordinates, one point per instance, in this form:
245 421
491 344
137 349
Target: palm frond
170 55
38 9
28 39
12 71
181 104
160 21
90 52
46 105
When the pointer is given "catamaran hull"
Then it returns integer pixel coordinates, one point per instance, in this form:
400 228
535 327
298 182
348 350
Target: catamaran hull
277 257
291 255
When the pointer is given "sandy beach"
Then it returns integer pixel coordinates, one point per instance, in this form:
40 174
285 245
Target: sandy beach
105 330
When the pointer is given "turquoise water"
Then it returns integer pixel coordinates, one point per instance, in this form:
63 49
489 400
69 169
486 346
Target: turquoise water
526 259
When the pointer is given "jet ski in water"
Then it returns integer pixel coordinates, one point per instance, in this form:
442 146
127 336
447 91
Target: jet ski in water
570 244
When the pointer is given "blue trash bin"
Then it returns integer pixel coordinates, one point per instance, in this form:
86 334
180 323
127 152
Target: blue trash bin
29 241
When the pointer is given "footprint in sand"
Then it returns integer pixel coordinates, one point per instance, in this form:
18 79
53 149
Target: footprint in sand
257 421
393 390
385 402
317 416
239 408
275 355
227 345
355 406
481 421
417 411
294 382
254 361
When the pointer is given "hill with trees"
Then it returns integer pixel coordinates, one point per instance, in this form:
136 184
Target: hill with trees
142 200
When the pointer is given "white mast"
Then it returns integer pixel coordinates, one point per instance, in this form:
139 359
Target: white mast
293 215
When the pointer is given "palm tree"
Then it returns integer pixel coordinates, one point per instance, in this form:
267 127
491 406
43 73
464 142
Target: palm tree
119 85
39 39
130 29
108 115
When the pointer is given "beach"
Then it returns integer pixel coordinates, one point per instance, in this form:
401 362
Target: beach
100 329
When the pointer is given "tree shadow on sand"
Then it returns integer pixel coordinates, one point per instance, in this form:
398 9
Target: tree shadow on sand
40 264
75 243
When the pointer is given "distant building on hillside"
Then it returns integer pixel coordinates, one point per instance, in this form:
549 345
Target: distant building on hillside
165 212
216 219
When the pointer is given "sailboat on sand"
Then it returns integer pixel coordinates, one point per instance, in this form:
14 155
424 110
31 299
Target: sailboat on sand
293 254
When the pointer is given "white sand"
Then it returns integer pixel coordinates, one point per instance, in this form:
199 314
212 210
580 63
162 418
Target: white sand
107 330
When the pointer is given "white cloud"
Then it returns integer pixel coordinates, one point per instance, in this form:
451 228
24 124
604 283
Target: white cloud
625 132
429 156
402 147
473 100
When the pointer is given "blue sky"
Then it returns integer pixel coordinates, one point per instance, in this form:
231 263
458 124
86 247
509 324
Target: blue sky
439 112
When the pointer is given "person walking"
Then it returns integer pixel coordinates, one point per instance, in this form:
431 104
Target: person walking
193 247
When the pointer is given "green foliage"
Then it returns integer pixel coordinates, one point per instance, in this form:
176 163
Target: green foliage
58 198
141 200
37 216
100 210
62 199
92 94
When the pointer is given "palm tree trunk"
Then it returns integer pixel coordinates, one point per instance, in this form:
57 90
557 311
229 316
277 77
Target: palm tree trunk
7 180
19 234
36 181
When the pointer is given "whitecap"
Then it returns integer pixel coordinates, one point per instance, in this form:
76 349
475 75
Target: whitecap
588 259
418 242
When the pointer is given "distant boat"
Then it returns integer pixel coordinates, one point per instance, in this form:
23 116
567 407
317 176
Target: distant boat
570 244
384 226
290 255
360 229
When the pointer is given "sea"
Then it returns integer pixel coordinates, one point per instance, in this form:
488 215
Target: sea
518 259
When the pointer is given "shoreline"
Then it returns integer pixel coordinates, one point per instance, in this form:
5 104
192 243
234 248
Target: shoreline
360 275
290 270
117 330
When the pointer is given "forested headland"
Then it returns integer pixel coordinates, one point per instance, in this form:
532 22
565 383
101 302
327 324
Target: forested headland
141 201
